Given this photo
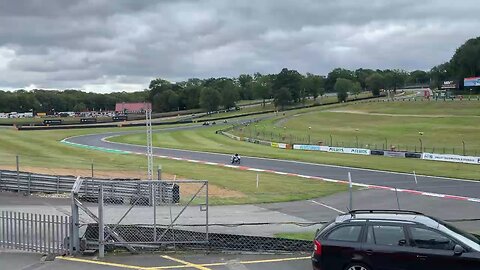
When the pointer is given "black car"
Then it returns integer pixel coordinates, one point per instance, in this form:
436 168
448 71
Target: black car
393 240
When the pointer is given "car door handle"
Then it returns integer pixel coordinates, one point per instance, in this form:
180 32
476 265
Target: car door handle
421 257
369 252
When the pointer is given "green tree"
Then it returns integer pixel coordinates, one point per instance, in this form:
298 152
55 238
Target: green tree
418 77
466 60
245 82
356 89
342 86
79 107
262 87
209 99
361 75
439 74
290 80
394 79
314 85
334 75
375 82
282 97
191 96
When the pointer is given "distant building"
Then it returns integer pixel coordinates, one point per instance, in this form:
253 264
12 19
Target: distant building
139 107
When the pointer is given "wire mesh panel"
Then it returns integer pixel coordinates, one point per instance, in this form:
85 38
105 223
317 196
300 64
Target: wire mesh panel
144 214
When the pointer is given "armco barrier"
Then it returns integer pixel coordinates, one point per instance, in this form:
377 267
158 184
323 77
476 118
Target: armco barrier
394 154
376 152
451 158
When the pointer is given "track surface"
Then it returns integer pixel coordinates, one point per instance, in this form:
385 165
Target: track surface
454 187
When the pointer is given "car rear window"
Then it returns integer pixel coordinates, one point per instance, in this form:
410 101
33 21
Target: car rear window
348 233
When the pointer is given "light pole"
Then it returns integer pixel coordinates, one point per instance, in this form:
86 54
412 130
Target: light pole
421 141
309 129
331 140
356 136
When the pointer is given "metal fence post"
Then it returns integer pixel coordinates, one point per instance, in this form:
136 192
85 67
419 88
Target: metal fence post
75 234
101 234
18 173
154 201
159 172
206 213
29 182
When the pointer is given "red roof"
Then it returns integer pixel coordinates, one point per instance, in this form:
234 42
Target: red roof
132 107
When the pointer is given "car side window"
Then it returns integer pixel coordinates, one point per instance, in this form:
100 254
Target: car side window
387 235
429 239
349 233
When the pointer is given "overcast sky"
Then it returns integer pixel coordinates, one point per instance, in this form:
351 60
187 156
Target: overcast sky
112 45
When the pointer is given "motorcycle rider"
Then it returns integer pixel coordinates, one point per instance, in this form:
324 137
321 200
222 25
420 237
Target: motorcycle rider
235 158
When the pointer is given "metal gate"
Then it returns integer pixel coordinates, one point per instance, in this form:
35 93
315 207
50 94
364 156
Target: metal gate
34 232
139 215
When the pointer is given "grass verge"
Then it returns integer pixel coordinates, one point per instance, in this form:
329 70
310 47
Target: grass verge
297 235
41 151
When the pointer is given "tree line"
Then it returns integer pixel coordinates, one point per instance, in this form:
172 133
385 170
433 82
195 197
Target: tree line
286 87
51 101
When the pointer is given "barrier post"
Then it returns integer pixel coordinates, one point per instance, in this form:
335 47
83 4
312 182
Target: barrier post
351 192
398 201
159 172
101 233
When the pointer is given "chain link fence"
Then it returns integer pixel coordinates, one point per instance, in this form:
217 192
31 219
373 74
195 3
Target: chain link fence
281 135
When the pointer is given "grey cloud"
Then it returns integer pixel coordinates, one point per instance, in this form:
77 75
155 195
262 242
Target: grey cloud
60 44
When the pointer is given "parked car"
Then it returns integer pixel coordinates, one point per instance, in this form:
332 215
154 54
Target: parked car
393 240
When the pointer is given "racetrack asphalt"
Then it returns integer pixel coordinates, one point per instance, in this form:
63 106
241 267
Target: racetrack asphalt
430 184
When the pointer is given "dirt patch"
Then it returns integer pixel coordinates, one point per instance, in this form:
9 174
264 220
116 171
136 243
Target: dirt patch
191 188
185 189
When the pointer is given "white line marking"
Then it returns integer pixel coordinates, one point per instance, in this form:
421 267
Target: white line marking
300 162
328 206
429 194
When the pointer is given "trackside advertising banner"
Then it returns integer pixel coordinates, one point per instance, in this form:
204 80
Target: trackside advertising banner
356 151
310 147
472 81
279 145
451 158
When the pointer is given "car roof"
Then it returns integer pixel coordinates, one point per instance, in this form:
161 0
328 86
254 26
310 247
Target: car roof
389 217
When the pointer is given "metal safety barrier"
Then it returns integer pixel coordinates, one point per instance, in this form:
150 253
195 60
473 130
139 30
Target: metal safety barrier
114 190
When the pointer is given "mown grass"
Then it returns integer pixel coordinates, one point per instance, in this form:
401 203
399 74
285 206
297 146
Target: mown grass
296 235
448 107
458 125
42 149
207 140
257 108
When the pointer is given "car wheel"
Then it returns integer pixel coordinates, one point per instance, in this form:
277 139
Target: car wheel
357 266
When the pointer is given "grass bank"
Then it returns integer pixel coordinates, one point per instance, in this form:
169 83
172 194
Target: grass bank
41 151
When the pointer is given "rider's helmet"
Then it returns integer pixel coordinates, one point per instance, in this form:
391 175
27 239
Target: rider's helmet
236 155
